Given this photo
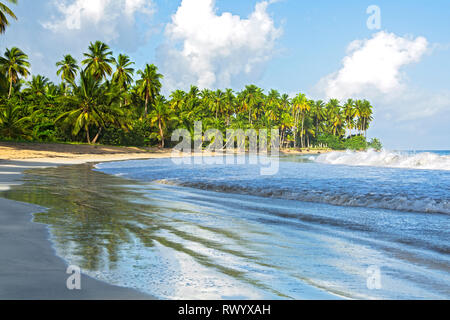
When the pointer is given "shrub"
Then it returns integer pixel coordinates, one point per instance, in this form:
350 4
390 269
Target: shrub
331 141
375 144
138 135
356 143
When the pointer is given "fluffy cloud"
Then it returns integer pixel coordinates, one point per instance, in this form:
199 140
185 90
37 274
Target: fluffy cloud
211 50
374 69
102 18
374 65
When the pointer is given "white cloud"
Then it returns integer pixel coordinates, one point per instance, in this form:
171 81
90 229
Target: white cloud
210 50
103 18
405 114
374 65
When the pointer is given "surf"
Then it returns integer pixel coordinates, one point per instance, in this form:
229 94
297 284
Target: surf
389 159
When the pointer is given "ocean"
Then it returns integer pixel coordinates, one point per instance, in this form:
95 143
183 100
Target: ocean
371 225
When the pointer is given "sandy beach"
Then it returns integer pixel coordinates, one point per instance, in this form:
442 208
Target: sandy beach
29 268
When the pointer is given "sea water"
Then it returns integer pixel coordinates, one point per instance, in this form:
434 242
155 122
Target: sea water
316 227
338 225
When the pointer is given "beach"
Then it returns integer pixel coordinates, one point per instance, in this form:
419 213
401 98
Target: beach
142 227
29 268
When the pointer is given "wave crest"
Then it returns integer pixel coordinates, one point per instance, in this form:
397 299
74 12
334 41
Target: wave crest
371 200
390 159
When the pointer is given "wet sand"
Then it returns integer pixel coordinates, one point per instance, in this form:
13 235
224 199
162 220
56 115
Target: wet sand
29 267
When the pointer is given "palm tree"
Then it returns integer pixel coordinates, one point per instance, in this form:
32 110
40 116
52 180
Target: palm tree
161 115
67 68
149 85
177 100
350 114
334 115
219 100
12 125
91 107
318 114
123 76
364 113
251 97
302 105
14 64
98 60
4 12
38 86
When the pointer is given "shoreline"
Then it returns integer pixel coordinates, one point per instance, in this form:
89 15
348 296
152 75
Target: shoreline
30 269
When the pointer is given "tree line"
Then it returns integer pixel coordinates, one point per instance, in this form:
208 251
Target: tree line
104 99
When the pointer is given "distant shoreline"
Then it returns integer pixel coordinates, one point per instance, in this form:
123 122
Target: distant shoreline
80 153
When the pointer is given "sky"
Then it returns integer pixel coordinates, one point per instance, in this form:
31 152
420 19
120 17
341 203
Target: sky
396 54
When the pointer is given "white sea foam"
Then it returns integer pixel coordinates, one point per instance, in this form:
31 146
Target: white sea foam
424 160
371 200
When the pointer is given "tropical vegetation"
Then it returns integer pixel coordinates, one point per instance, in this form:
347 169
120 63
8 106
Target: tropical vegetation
105 99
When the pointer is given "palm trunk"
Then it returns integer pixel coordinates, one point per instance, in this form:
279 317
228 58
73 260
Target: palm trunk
87 135
161 133
301 134
97 136
146 105
10 88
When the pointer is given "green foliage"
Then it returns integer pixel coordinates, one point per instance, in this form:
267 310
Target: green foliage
357 143
102 102
375 144
331 141
138 135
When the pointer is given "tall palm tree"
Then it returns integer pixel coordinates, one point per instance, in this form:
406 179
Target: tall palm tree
98 60
149 85
251 97
350 114
14 64
318 114
219 100
302 105
123 76
161 115
4 12
91 107
67 68
230 104
366 115
334 116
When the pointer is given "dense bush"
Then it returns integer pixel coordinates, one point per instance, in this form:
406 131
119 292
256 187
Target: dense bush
331 141
356 143
375 144
137 136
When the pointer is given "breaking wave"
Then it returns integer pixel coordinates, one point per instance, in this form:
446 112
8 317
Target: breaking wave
423 160
369 200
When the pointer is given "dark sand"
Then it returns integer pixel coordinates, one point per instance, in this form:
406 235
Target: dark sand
29 267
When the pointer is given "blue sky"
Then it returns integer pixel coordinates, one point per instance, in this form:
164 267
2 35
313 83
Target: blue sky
289 45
